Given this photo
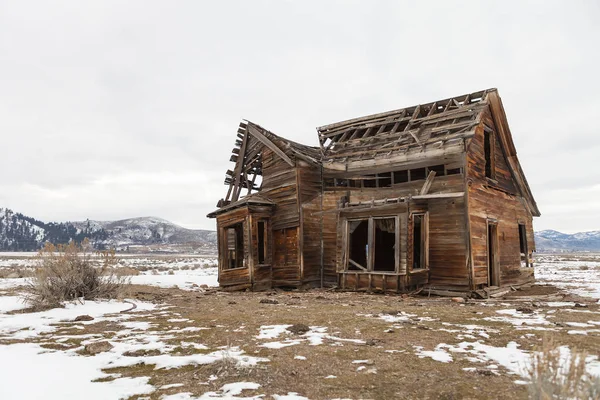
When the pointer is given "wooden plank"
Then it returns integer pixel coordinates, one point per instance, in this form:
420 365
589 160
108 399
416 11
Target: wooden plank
267 142
452 195
427 184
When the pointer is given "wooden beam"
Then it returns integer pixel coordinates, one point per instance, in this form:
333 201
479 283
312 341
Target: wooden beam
427 184
237 184
357 265
267 142
451 195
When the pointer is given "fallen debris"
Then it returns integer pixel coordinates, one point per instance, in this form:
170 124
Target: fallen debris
84 317
298 329
97 347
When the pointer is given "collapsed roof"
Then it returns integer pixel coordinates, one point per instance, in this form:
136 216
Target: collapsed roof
399 137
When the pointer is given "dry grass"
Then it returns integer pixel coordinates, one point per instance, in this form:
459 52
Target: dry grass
557 375
67 273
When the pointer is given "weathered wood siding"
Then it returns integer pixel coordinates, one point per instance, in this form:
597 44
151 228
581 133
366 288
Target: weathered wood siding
447 235
280 186
309 189
496 200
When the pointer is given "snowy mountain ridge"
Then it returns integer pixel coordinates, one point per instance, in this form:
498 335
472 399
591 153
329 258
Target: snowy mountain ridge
554 241
22 233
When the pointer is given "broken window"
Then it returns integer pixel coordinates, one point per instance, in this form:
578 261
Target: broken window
417 174
234 236
439 169
419 237
384 179
523 238
370 181
372 244
488 148
400 176
359 244
262 241
341 182
385 244
524 252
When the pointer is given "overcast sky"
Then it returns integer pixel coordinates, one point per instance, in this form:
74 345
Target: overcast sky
117 109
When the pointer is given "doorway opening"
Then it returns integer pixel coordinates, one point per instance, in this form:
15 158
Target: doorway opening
492 247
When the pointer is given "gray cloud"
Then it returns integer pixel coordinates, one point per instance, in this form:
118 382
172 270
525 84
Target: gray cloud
113 109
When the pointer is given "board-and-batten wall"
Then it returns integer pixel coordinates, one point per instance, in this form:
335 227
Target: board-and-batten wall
280 186
496 200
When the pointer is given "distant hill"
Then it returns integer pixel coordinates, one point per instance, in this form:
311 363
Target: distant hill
22 233
554 241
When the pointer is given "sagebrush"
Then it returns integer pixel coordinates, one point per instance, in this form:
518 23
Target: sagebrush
557 373
72 272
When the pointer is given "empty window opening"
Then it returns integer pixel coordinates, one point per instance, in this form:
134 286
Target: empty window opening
370 181
523 238
488 147
359 245
328 182
400 176
341 182
384 179
262 242
416 174
492 233
439 169
235 246
419 241
453 171
385 244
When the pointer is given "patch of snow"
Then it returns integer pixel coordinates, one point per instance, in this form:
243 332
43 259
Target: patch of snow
11 303
25 360
272 331
22 326
228 391
439 354
182 281
172 385
560 304
299 358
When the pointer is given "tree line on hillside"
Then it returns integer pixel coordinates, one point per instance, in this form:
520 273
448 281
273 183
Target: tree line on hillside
19 232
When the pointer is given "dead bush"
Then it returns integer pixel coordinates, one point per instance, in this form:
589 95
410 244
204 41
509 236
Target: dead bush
68 273
560 376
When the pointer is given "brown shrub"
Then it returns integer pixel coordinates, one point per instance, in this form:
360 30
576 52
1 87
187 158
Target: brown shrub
556 377
68 273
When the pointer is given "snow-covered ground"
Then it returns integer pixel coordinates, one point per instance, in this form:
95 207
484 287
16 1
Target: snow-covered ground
33 342
578 274
183 271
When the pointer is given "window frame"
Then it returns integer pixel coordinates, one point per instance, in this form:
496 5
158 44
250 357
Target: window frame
371 244
424 254
267 256
226 258
489 139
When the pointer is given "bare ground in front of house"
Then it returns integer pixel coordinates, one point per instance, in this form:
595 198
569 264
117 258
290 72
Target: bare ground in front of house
360 346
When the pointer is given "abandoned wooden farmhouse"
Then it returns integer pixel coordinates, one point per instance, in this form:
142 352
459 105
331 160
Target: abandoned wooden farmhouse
426 196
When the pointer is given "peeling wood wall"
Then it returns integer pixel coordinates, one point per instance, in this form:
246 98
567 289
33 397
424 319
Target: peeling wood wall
309 188
280 186
498 201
